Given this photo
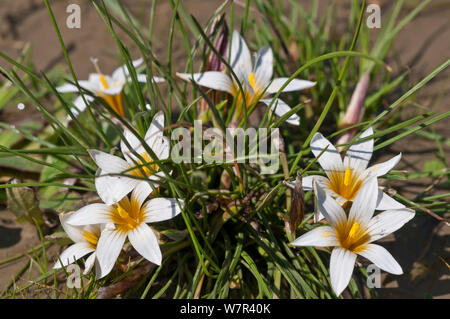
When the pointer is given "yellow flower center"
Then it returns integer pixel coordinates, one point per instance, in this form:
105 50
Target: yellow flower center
144 170
127 215
251 95
352 236
345 184
91 238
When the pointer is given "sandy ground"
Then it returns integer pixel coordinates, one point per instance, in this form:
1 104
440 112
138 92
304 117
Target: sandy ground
421 246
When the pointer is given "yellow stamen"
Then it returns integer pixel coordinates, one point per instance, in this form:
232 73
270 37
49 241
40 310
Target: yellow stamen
90 237
347 176
352 236
103 80
252 80
353 230
127 215
251 96
122 212
102 77
345 183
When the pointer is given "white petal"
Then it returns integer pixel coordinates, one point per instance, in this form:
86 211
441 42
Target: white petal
387 222
342 263
294 85
108 249
141 192
109 163
74 232
323 236
158 79
385 202
96 83
161 147
280 108
146 243
365 202
359 154
211 79
382 168
136 63
263 66
79 103
156 128
382 259
158 177
67 88
89 264
135 145
121 72
113 90
90 214
112 189
330 160
240 59
307 182
328 207
74 252
153 138
142 78
159 209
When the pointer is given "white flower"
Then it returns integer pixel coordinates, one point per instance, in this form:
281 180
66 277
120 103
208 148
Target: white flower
107 87
127 219
254 76
345 178
85 240
112 188
353 235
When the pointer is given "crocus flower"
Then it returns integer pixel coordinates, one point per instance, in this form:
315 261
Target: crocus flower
254 75
112 188
109 88
85 240
127 219
354 234
346 177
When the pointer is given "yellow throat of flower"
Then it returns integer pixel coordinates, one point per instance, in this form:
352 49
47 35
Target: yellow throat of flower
352 236
91 238
127 215
144 170
114 101
345 183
